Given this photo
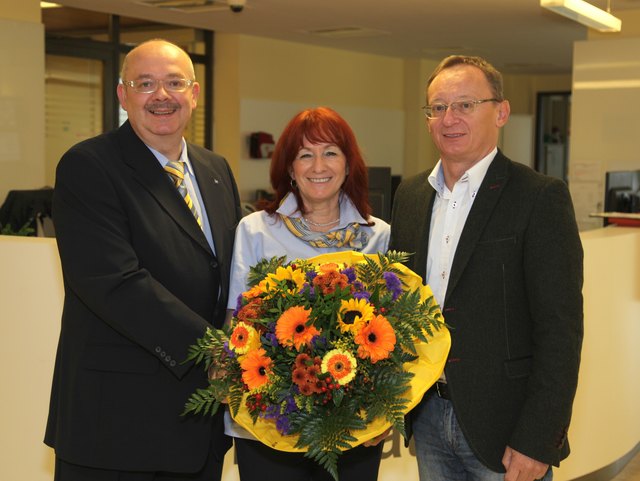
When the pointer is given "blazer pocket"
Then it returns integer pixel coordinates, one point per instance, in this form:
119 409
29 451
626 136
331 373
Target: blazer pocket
114 358
497 249
518 368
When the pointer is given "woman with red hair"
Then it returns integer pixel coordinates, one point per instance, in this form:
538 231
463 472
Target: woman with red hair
320 205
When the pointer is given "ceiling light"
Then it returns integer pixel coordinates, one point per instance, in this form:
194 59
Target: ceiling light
49 5
584 13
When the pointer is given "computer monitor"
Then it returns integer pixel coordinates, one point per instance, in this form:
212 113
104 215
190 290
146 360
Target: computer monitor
622 192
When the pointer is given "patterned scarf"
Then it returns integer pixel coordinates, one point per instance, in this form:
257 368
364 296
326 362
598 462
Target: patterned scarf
349 235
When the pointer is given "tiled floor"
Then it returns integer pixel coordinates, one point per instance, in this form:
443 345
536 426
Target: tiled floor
631 471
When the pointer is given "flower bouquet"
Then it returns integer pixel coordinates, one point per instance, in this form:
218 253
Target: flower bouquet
324 354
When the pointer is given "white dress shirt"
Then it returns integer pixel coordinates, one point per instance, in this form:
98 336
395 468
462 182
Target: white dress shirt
450 211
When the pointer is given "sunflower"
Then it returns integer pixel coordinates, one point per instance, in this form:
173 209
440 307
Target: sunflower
244 338
376 340
292 328
294 279
353 313
340 364
256 368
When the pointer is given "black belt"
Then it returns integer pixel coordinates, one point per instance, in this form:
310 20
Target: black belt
441 390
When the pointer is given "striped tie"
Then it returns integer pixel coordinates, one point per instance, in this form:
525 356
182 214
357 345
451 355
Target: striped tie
176 173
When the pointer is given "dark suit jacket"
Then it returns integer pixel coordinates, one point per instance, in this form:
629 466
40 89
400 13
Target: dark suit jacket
514 304
140 287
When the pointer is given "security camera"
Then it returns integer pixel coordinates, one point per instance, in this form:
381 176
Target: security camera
236 5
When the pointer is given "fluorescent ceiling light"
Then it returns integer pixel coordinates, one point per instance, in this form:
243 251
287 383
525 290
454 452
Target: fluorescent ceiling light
49 5
584 13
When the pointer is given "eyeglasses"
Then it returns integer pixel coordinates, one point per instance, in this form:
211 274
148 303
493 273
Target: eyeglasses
463 107
148 85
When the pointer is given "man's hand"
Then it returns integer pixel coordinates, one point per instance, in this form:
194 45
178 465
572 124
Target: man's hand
375 441
522 468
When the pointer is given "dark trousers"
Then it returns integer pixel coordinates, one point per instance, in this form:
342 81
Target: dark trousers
64 471
257 462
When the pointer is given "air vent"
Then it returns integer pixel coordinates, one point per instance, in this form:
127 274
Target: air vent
346 32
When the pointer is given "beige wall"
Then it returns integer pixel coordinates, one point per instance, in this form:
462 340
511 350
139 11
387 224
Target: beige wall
21 97
606 89
261 83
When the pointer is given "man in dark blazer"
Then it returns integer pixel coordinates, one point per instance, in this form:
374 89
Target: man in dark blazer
143 279
499 245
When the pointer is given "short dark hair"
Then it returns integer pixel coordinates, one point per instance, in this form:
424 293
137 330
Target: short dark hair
493 76
320 124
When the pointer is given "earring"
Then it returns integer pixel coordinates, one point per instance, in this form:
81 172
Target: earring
293 184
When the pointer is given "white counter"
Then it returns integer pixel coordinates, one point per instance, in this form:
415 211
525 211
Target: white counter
606 419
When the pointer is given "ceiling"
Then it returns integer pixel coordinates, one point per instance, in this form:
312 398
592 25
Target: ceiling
517 36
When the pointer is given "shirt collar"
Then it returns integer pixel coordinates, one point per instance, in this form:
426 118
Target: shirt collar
348 212
183 157
475 175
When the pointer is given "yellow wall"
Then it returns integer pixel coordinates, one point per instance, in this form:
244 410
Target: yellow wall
21 97
25 11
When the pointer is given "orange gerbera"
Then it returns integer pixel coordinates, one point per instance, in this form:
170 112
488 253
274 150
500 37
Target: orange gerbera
376 340
256 368
340 364
244 338
292 328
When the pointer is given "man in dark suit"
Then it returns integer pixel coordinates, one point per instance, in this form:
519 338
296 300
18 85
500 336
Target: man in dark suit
499 245
145 274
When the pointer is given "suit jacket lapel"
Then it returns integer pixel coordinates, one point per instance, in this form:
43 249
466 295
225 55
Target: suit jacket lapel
147 171
427 196
213 197
486 199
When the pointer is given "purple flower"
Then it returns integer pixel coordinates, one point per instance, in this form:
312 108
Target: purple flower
272 411
271 339
350 272
309 290
366 295
319 342
238 305
393 284
290 405
229 352
282 425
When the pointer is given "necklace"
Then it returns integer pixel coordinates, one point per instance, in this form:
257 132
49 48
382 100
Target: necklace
320 224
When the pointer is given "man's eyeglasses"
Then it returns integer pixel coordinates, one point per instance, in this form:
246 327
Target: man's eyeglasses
463 107
148 85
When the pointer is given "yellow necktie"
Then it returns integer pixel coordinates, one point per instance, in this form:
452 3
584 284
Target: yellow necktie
176 173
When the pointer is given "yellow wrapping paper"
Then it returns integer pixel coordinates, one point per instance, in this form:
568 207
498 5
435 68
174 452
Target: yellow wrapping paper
426 368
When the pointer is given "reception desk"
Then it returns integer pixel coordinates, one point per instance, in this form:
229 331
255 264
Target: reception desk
606 421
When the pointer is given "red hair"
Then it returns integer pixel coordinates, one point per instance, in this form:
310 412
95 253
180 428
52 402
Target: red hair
318 125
